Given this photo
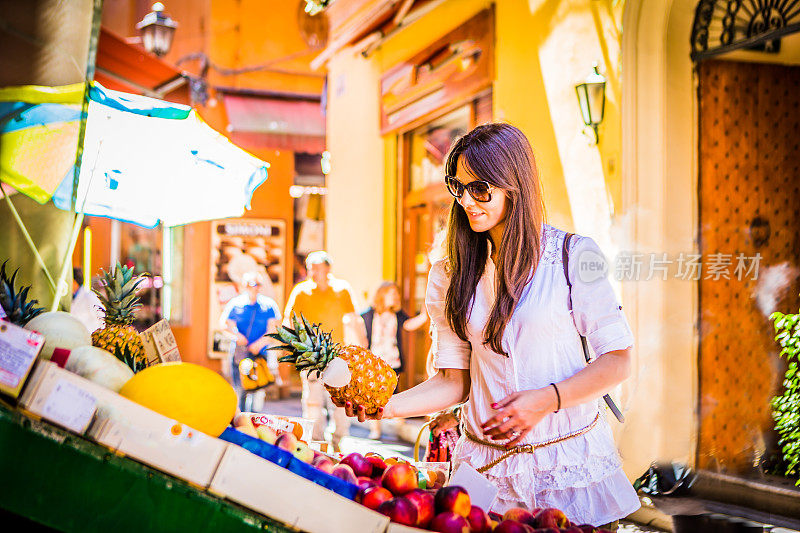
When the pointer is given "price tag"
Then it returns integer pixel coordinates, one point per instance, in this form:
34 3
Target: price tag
481 491
159 343
18 350
70 406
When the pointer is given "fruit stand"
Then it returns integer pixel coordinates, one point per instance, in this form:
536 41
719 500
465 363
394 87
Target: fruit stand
67 482
110 439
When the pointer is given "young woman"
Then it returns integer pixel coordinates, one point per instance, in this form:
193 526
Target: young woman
508 341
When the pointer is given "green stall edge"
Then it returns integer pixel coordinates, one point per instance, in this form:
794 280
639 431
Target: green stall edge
66 482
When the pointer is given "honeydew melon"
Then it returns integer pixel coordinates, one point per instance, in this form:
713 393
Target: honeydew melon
189 393
60 330
99 366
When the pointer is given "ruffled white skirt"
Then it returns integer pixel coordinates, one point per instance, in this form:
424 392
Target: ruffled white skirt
582 476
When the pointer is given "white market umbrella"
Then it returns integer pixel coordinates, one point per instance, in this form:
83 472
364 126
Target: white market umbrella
147 161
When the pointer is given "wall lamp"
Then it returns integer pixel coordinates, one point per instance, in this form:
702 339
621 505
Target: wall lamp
592 102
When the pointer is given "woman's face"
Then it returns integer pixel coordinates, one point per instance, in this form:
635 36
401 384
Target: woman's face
391 299
482 216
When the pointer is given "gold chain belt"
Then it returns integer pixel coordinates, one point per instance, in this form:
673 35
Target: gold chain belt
523 448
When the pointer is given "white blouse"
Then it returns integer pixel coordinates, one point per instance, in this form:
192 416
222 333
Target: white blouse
581 476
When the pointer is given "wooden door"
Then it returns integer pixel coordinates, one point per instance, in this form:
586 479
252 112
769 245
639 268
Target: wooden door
749 204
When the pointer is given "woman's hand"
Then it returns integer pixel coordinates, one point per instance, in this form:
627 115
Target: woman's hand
360 412
447 388
519 413
442 422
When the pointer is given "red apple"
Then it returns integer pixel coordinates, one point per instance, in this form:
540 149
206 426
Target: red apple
449 522
287 441
478 520
423 501
364 482
511 526
399 510
400 479
373 497
572 529
519 514
360 466
546 530
344 472
588 528
551 517
453 498
378 465
323 463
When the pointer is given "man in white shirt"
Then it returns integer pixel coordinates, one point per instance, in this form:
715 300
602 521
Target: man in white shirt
86 306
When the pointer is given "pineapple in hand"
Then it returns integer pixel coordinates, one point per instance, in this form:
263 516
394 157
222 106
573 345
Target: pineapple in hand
118 296
350 373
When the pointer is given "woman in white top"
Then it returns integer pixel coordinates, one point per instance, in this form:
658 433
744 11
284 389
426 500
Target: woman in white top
508 341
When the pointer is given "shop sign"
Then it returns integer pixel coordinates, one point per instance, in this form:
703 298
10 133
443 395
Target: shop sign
240 246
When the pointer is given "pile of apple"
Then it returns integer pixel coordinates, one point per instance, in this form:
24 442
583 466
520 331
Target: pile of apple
415 497
289 440
398 490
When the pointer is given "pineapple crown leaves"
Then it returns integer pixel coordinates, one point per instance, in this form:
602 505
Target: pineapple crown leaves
118 294
308 347
15 303
126 355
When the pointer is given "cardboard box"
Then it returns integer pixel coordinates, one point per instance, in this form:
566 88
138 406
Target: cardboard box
127 427
278 493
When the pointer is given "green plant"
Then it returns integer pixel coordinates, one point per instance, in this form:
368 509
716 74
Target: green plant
786 407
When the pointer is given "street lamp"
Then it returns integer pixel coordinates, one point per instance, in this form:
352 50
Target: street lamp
592 100
157 30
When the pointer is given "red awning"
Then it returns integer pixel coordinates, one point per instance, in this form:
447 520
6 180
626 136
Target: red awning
128 67
257 122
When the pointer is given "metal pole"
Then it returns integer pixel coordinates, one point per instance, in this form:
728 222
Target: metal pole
29 240
76 226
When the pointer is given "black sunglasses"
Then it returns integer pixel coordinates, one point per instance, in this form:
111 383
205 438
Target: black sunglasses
480 190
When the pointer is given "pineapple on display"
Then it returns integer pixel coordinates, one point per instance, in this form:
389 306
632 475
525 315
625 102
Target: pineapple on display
18 309
371 382
118 296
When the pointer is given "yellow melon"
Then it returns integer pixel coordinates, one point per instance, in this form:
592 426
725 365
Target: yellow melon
189 393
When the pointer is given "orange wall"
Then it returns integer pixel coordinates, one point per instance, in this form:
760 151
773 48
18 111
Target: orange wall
233 34
245 33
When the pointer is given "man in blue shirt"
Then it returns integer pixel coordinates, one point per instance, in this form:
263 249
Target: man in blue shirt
249 316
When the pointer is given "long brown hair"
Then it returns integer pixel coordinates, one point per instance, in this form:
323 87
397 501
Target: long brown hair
501 155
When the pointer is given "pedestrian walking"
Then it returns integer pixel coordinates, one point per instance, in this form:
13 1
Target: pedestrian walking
248 317
325 300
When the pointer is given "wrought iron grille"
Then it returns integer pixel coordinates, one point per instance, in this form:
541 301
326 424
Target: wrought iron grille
724 25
